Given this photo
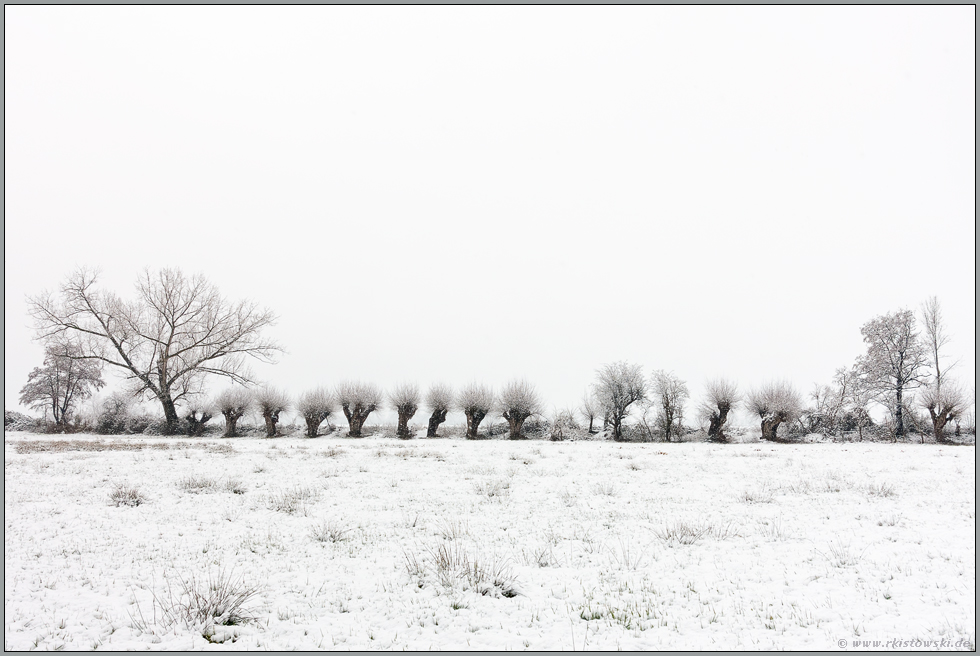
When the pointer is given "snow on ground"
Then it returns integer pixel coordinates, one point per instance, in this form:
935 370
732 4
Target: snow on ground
450 544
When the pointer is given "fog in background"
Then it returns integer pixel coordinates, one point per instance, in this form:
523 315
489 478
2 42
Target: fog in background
482 193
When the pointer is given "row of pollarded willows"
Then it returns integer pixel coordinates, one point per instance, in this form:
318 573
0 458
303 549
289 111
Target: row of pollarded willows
516 402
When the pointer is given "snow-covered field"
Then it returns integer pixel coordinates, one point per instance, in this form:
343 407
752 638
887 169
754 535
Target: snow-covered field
448 544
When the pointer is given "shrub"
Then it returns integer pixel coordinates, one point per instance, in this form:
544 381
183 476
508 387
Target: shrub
16 421
113 415
126 495
562 426
219 599
331 530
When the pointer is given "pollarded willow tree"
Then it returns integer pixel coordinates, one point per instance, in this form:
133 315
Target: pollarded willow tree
475 401
518 400
358 400
315 406
944 405
199 412
176 331
405 400
233 403
439 400
721 397
775 403
271 402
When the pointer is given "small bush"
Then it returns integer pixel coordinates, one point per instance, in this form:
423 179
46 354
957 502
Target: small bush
198 484
605 488
16 421
291 501
454 564
682 532
235 486
331 530
219 599
126 495
454 529
882 490
763 494
841 554
492 489
113 415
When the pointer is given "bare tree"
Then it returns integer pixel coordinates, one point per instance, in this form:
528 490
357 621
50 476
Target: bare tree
775 403
590 409
176 331
518 401
936 338
315 406
233 403
405 399
618 386
944 405
199 412
670 393
475 401
358 400
63 380
271 402
893 364
721 398
438 400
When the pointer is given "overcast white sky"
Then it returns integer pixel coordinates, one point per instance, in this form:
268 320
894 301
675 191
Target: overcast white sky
482 193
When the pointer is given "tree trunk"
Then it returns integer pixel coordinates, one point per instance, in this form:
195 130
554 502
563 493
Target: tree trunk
939 422
355 423
899 420
717 423
312 425
438 416
231 422
617 424
516 422
271 420
591 419
668 423
170 414
404 414
473 419
195 426
355 420
769 427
